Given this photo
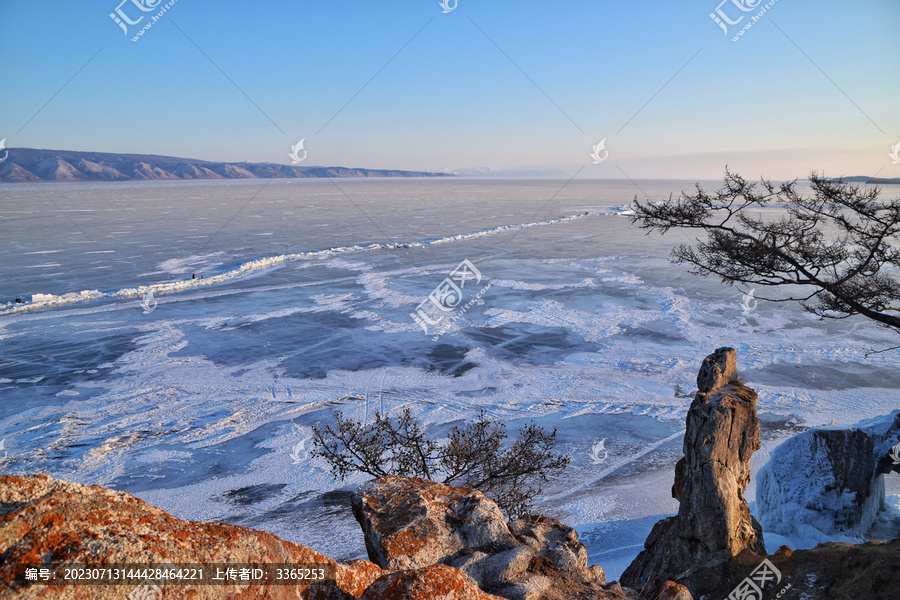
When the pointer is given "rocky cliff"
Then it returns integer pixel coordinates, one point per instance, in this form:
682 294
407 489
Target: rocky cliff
413 524
45 520
713 524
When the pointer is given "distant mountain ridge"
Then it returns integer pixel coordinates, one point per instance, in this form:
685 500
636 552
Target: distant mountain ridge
866 179
39 165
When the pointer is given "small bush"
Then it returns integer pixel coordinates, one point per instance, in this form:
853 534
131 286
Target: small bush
472 456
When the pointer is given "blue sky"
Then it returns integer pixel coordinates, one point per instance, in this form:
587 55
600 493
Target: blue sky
522 85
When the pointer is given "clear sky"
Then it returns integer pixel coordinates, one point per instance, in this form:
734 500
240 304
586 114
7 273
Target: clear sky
525 85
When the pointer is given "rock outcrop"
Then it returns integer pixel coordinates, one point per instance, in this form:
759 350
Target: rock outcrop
717 370
828 482
713 524
674 591
47 520
413 524
830 571
430 583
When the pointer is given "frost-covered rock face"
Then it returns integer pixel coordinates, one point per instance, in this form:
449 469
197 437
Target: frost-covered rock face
827 482
713 524
412 523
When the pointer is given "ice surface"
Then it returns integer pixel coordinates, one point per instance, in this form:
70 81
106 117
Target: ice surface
203 406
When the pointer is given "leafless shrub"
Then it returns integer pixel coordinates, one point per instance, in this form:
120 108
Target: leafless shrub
473 455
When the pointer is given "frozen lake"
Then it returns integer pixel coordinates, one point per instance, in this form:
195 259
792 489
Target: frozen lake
301 306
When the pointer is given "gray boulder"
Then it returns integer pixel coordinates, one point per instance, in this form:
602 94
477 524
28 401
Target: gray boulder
410 523
413 523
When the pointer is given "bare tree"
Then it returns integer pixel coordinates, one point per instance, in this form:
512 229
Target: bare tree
835 252
473 455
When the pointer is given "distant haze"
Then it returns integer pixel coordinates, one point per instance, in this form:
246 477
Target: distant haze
516 88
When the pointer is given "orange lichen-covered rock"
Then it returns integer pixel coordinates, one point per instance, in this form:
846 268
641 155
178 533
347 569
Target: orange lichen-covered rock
413 523
674 591
410 523
45 520
431 583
